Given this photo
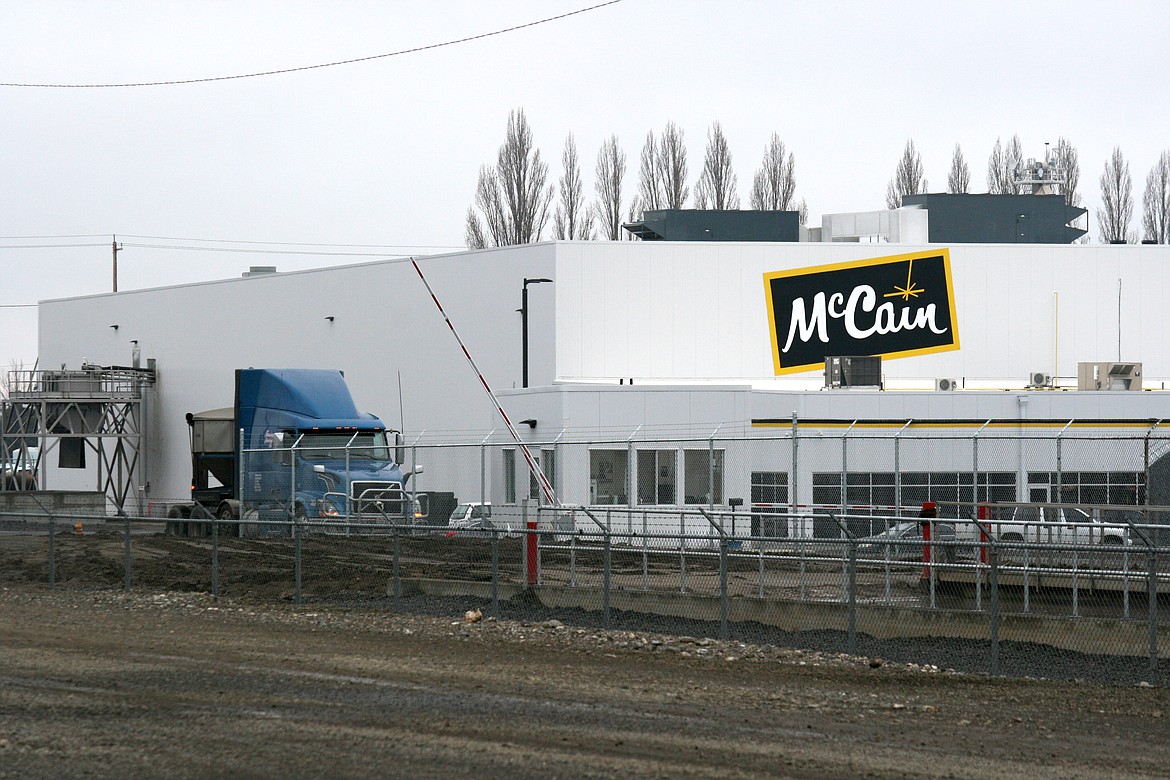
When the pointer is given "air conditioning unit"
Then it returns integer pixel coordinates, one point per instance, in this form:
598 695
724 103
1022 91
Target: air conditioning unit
1039 379
945 384
853 371
1109 376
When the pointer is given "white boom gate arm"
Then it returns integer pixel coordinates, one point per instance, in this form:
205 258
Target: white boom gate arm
545 486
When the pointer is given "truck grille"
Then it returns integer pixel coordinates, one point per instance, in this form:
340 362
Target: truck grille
379 498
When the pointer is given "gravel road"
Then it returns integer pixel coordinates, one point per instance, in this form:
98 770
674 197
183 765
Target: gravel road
151 683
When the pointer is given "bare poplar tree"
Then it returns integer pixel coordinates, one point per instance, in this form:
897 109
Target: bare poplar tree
512 198
716 186
1001 167
633 215
802 209
609 173
908 177
1066 160
672 167
774 184
1116 212
959 179
649 182
1156 202
573 218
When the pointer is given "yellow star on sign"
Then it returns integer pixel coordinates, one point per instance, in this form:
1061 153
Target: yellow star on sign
910 290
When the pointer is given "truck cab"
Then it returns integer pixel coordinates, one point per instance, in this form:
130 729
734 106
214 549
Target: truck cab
295 445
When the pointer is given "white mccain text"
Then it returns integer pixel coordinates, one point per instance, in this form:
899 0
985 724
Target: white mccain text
886 318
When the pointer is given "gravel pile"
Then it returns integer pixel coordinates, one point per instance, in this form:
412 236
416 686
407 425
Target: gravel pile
524 618
1016 659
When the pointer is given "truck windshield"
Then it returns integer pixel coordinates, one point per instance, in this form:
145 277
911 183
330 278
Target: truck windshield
332 446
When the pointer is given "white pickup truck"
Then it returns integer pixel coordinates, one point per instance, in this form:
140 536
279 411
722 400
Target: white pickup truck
1057 525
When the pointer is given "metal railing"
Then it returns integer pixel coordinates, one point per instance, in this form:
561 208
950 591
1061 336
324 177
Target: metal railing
948 581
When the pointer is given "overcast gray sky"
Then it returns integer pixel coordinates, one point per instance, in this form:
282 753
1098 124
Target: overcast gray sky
386 152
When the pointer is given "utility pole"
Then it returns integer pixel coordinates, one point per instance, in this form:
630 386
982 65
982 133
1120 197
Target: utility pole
116 250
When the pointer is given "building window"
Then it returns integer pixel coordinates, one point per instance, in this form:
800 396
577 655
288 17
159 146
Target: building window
874 494
548 465
770 503
697 477
657 476
608 476
509 476
1088 487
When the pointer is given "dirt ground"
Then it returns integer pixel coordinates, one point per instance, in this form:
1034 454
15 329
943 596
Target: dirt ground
165 680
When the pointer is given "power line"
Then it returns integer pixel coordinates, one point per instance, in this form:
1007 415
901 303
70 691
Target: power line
400 250
38 238
242 250
414 50
46 246
295 243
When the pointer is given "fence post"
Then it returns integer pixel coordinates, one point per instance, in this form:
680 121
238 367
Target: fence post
852 649
242 491
573 561
607 575
126 557
1152 597
395 574
52 552
794 476
723 633
215 557
296 529
495 572
993 559
645 554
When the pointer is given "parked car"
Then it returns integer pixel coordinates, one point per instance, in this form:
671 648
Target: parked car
903 542
471 516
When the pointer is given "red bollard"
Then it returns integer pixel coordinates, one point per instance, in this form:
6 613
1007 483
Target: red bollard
925 518
532 560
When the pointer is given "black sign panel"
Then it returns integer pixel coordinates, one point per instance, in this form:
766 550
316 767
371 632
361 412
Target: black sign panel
889 306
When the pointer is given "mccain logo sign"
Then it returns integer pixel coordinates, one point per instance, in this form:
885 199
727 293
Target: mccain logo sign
890 306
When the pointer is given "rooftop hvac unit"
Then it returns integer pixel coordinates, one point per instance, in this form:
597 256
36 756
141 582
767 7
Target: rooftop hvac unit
853 371
945 384
1039 379
1109 376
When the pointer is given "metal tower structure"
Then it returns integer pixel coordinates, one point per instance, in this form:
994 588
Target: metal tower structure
97 409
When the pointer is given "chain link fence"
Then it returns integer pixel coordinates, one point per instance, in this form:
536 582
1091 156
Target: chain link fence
1057 537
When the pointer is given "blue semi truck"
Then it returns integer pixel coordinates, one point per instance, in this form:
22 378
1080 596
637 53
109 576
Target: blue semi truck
293 447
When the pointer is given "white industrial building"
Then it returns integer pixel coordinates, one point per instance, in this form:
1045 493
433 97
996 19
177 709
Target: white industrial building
667 338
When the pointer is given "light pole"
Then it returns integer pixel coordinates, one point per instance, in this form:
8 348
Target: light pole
524 323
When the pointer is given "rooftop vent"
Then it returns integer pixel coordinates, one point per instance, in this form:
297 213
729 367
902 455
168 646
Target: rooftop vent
1109 376
853 371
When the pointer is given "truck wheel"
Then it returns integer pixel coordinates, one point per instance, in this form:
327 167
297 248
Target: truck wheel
227 517
175 516
249 524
